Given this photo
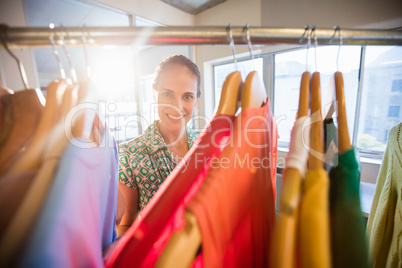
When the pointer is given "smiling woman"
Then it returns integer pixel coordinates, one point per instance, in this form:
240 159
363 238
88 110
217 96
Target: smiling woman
145 162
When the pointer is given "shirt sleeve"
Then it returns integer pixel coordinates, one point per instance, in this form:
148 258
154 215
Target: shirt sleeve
126 174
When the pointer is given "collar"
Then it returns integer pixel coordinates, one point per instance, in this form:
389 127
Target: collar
155 142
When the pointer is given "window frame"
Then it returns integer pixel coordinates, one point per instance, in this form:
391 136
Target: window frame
269 81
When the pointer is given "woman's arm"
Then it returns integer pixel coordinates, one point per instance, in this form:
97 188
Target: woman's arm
131 198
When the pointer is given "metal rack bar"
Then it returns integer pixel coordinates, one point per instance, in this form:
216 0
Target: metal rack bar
23 37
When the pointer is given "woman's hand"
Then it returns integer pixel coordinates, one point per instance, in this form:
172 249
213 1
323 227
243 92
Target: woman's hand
131 198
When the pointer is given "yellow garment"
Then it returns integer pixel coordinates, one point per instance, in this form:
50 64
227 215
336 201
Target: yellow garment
283 253
314 232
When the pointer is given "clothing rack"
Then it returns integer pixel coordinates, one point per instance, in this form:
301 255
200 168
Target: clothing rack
25 37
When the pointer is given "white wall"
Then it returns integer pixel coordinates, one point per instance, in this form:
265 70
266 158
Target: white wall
236 12
326 14
12 13
151 57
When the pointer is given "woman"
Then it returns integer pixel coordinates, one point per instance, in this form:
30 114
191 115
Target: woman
145 162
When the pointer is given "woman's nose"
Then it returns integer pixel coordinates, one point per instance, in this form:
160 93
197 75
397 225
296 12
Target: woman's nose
178 104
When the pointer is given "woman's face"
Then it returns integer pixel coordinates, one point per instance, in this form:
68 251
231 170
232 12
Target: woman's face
176 95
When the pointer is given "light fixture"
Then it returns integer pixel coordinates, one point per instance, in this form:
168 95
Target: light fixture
193 7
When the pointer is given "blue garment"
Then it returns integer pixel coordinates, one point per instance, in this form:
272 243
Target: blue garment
78 218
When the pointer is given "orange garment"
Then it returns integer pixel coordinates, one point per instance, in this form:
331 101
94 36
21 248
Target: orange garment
12 191
235 206
315 249
19 116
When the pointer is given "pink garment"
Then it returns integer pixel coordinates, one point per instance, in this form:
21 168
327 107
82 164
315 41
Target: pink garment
143 243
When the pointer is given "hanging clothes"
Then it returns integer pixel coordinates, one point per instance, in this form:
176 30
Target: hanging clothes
284 252
299 144
330 143
384 229
314 229
19 116
77 220
12 191
235 207
146 162
348 242
20 225
143 243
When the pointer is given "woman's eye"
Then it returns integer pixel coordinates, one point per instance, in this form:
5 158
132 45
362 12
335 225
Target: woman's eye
188 97
166 94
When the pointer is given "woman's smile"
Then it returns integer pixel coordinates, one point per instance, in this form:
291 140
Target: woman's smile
175 117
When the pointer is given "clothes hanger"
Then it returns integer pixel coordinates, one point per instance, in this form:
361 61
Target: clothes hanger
316 131
290 196
56 52
330 111
42 143
90 124
343 132
28 160
181 250
5 91
253 93
305 83
3 38
70 95
232 87
19 63
73 73
32 156
12 242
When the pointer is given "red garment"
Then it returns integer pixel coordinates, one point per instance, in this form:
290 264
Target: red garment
235 207
143 243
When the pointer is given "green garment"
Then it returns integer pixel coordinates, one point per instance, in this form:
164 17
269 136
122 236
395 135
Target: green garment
384 229
348 241
145 162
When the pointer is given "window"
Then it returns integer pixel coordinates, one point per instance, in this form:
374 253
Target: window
112 67
381 92
378 104
397 85
289 67
147 100
393 111
222 71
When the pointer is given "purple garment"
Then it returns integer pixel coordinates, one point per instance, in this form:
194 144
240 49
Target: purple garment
77 220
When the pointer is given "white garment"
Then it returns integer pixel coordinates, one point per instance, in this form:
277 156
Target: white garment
299 145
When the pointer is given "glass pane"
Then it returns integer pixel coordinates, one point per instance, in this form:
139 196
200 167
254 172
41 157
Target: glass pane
71 13
289 67
112 67
222 71
381 96
147 99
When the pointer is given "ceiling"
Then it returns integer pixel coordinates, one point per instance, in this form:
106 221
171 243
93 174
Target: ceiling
193 6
